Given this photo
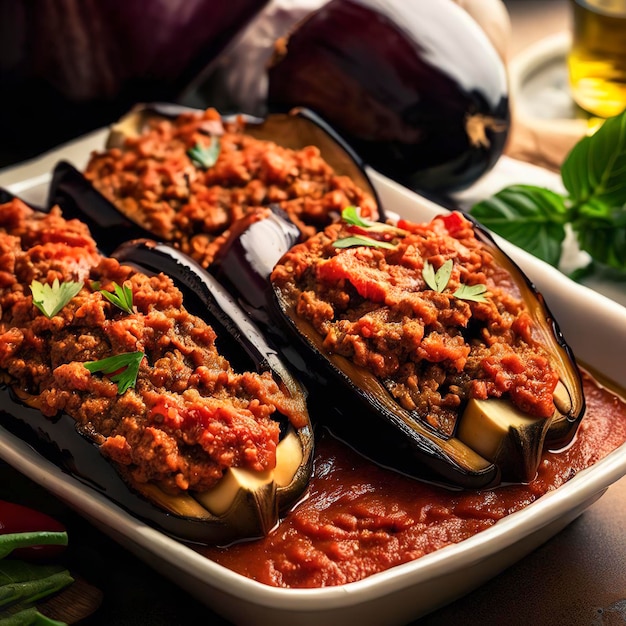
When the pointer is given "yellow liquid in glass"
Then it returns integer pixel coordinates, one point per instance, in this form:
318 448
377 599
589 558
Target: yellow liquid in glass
597 59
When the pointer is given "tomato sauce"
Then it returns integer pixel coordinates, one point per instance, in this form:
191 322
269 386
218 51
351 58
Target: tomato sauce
359 519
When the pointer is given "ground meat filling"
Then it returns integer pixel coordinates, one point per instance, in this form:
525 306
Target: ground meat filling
154 180
433 350
189 416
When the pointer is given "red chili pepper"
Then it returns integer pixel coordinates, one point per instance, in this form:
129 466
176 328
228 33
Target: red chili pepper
17 518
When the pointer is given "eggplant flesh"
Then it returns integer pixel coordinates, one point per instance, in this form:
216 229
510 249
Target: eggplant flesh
488 446
243 504
415 88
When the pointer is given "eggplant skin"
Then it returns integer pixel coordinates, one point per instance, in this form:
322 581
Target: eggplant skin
415 88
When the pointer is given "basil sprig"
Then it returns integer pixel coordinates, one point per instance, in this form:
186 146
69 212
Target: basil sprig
594 205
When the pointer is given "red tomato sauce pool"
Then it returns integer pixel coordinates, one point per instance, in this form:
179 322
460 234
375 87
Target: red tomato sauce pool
359 519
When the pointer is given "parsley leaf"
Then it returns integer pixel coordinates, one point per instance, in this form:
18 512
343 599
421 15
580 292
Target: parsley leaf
205 156
362 240
381 233
438 280
121 298
351 216
476 293
121 368
50 299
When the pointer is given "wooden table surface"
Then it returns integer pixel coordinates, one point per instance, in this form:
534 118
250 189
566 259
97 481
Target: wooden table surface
578 578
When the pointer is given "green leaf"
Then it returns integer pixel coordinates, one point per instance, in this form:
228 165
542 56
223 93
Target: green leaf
50 299
28 616
27 582
595 168
121 298
121 368
205 156
476 293
438 280
362 240
351 216
604 238
12 541
533 218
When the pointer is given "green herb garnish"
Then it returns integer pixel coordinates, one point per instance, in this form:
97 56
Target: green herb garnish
121 368
50 299
476 293
350 215
381 232
205 156
362 240
594 205
121 298
439 280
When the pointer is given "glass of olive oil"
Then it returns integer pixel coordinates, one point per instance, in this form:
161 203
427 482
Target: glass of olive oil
597 58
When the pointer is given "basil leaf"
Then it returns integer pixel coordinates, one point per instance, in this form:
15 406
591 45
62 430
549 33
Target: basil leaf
533 218
596 165
604 237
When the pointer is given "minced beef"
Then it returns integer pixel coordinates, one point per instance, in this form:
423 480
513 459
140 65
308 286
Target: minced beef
189 416
153 180
433 350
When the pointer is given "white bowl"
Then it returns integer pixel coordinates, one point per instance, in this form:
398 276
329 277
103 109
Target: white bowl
407 591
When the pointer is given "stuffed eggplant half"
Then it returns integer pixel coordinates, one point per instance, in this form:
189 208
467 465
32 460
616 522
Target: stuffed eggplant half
185 416
186 176
432 351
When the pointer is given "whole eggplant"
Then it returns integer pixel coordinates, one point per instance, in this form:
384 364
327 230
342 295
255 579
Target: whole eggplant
416 88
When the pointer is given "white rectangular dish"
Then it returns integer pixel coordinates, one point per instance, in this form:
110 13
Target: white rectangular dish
405 592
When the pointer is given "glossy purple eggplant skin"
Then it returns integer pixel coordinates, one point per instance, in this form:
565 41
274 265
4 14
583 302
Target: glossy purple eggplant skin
353 411
72 66
416 88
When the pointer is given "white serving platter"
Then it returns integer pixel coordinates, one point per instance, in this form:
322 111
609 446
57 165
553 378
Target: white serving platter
592 323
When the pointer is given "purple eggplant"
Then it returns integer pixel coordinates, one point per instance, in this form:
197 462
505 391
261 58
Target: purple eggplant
295 130
416 88
242 504
89 62
492 440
